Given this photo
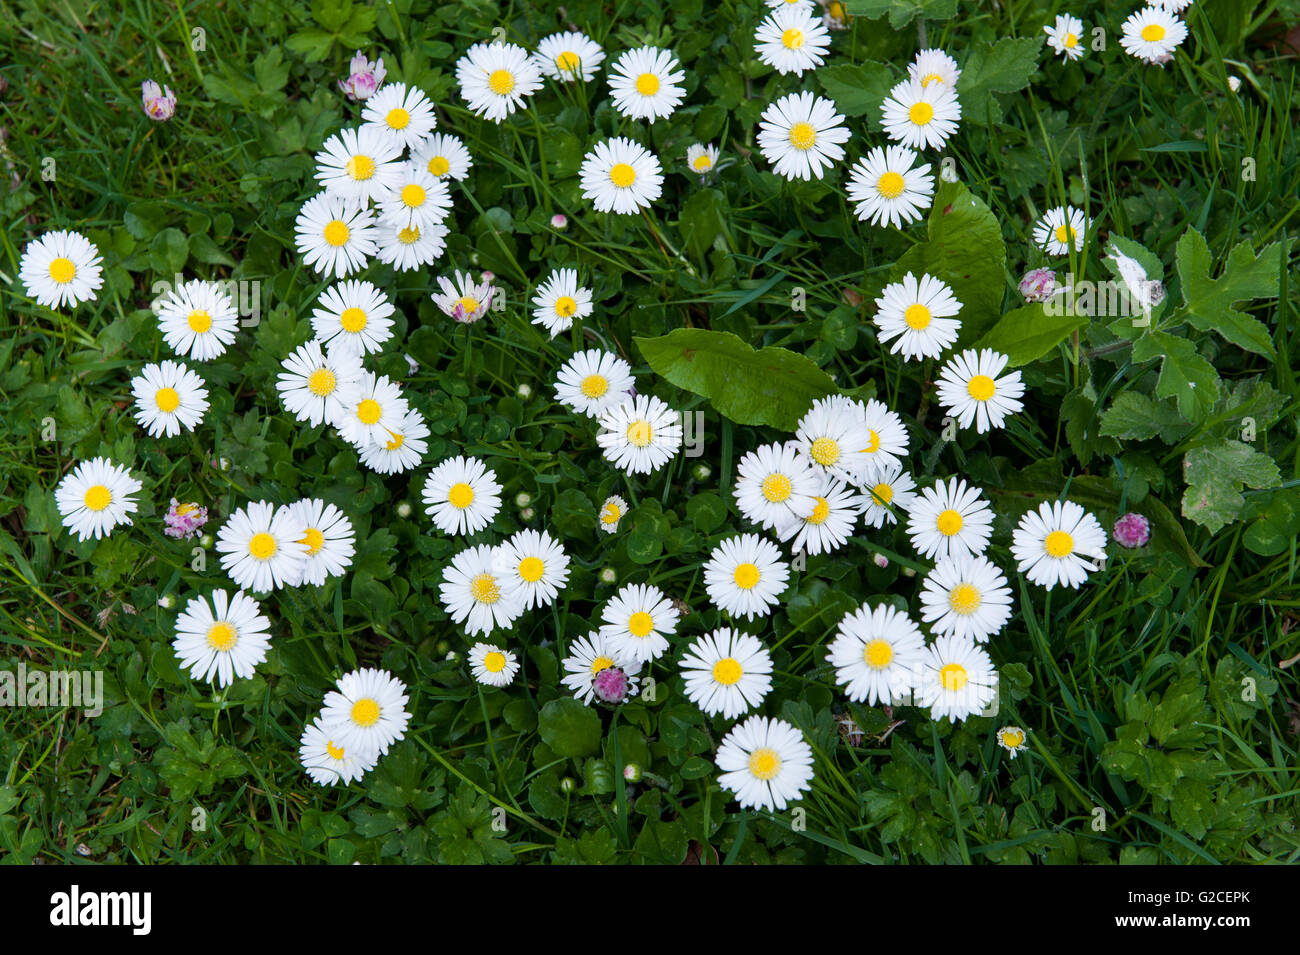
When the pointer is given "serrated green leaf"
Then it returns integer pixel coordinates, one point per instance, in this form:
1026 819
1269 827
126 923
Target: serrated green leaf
1215 475
1184 374
1209 302
858 90
902 12
1135 417
1028 333
1001 67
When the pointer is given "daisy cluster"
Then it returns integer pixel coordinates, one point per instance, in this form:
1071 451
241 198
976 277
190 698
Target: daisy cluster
1150 34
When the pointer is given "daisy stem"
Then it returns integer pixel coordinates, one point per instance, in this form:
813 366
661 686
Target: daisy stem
492 749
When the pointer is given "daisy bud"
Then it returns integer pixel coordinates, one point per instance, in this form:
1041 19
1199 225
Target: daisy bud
223 464
568 784
452 656
632 773
363 77
403 509
559 221
473 258
184 520
527 514
908 572
607 575
610 685
702 472
1132 530
167 601
206 541
159 101
523 499
880 560
412 364
1234 83
1038 285
524 391
488 276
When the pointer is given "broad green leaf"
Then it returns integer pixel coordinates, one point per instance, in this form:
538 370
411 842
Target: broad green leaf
569 727
771 386
1135 417
704 217
1209 302
1184 374
858 90
1028 333
1275 529
1001 67
902 12
965 249
168 252
1215 474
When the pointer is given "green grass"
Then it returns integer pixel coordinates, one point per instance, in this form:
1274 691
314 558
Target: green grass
1162 718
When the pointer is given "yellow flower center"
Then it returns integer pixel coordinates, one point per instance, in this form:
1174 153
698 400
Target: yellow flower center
610 514
964 599
825 451
878 654
167 400
883 493
262 546
601 663
640 624
931 78
336 752
1013 738
917 317
183 509
764 763
639 433
746 576
792 39
353 320
494 661
468 304
365 712
360 167
647 84
368 411
952 676
703 163
1064 234
531 569
321 382
890 185
802 136
921 113
593 386
501 82
314 540
727 671
820 512
222 636
776 488
980 387
567 62
409 236
622 175
396 441
565 306
199 321
873 441
1153 33
62 270
484 589
1071 41
1058 544
398 118
948 523
98 497
439 166
337 232
461 495
413 195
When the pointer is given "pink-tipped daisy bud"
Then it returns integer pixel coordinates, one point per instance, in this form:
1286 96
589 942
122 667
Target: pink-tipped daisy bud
1038 285
632 773
1132 530
559 221
488 276
159 102
610 685
527 514
184 520
880 560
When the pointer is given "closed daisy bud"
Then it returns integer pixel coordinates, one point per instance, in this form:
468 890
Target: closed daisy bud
1038 285
632 773
524 391
159 102
1132 530
588 658
403 509
559 221
608 575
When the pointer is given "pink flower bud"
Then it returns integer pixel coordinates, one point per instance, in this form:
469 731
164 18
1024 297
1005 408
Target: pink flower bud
1132 530
1038 285
610 685
159 101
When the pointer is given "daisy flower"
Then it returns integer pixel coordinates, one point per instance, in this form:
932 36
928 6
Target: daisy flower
701 159
621 176
184 520
950 520
892 486
765 763
886 438
559 300
646 83
835 16
329 537
921 116
416 200
534 566
934 66
792 40
367 713
464 300
358 165
262 547
407 248
889 187
472 592
590 656
326 762
1054 234
443 157
745 576
801 136
402 116
95 497
727 672
611 512
1064 37
970 390
198 319
61 268
1174 6
375 407
462 495
491 665
354 317
775 485
957 679
363 77
641 435
1057 544
495 79
833 438
919 314
829 526
404 448
967 596
169 398
782 4
1152 34
637 621
594 382
334 236
225 640
877 655
317 387
568 56
1012 739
